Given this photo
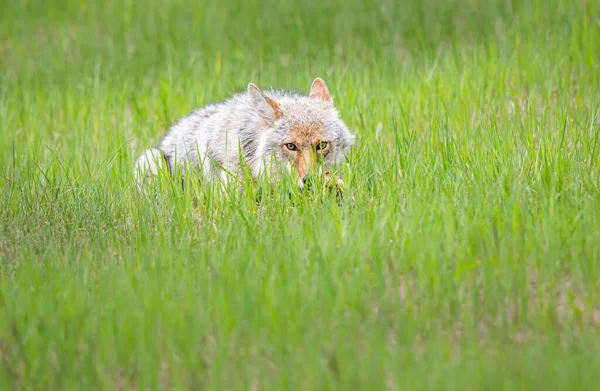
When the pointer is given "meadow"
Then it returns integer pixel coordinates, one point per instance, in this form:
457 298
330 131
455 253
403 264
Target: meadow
464 254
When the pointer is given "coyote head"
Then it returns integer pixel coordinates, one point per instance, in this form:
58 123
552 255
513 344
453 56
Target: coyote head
301 134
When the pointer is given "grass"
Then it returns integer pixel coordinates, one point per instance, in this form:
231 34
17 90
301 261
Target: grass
465 253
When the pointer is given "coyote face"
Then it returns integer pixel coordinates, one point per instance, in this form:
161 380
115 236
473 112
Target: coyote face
303 135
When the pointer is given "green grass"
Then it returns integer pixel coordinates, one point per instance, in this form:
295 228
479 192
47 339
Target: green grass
465 254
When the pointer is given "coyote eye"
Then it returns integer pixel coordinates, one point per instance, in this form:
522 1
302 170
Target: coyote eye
321 146
291 147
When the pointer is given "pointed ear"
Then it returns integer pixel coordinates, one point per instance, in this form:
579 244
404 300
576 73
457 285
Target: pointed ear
267 109
318 90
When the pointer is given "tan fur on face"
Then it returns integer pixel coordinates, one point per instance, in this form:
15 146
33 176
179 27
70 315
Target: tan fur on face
306 137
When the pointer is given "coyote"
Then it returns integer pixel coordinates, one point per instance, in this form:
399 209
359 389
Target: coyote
269 132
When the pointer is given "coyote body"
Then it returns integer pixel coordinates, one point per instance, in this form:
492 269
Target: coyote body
268 132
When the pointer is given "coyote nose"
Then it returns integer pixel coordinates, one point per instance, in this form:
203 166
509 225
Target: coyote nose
304 179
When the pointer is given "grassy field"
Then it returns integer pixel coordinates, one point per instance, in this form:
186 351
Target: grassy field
465 254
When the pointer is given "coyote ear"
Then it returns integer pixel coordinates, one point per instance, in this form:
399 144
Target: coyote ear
318 90
267 109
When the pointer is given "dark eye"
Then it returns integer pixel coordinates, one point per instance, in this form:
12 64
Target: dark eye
291 147
321 146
